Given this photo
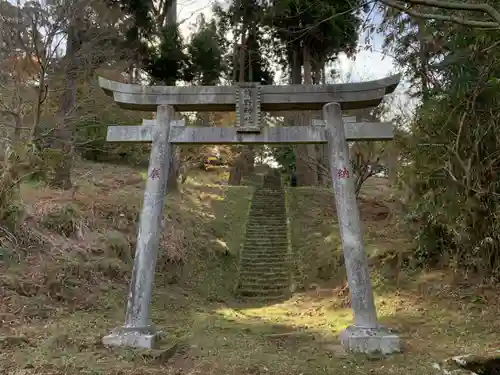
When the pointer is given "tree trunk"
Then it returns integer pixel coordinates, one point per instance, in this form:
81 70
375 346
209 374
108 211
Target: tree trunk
41 94
253 30
306 168
173 173
242 163
236 172
64 133
322 149
424 59
241 60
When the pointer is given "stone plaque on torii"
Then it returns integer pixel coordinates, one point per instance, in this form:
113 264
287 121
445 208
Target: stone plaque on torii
248 100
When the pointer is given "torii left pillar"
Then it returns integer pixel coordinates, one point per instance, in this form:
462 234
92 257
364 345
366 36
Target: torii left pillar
138 331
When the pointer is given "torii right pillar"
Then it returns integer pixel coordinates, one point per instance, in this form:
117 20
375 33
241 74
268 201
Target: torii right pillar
365 335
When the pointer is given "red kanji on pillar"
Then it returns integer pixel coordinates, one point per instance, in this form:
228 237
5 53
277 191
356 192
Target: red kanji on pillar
343 173
155 173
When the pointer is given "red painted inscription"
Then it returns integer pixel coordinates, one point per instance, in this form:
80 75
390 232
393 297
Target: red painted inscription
343 173
155 173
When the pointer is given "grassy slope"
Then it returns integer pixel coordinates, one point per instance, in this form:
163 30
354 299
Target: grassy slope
60 301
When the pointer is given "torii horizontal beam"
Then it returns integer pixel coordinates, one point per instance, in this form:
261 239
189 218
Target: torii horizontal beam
316 134
272 97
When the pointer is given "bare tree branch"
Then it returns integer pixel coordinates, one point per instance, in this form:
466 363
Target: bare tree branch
406 5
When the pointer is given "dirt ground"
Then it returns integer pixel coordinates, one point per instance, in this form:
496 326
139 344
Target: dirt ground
60 296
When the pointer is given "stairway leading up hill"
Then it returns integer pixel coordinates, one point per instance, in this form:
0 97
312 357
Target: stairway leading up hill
264 269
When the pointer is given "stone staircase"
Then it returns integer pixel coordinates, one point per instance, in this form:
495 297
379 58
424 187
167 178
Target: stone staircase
264 270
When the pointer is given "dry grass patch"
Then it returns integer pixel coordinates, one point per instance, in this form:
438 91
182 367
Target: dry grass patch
206 330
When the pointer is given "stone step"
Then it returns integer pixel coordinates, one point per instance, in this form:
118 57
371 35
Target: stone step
259 257
265 289
264 223
267 231
278 294
244 280
257 288
264 299
267 212
262 249
262 237
265 196
270 214
268 277
265 226
280 197
274 201
271 247
267 217
269 204
263 266
277 199
266 234
246 274
263 252
265 248
255 266
270 234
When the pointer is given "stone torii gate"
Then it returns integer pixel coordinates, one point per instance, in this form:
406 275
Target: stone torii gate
248 100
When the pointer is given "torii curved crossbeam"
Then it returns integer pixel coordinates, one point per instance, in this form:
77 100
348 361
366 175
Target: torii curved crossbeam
272 97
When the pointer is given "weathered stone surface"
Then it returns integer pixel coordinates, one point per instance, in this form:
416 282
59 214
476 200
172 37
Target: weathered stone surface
273 98
248 107
264 264
369 340
146 339
356 262
137 330
267 135
470 365
152 122
365 335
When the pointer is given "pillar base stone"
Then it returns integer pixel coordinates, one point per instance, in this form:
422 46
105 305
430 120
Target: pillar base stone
132 338
370 340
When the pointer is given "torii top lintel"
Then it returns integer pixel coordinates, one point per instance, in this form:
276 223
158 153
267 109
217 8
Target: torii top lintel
272 97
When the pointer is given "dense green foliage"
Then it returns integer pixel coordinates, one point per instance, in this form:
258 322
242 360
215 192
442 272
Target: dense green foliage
453 148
